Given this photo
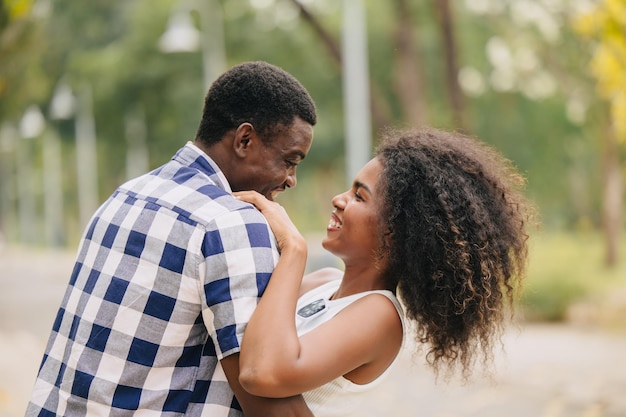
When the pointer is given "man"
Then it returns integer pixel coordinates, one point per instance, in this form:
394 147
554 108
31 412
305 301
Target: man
171 266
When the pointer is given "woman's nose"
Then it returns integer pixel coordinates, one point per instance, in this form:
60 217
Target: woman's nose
339 201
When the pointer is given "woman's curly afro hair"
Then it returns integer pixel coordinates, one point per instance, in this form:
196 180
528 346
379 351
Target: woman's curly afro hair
454 221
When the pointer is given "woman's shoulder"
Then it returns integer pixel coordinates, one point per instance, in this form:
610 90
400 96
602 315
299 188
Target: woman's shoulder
319 277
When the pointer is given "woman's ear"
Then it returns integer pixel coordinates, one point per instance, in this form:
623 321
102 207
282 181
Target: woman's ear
245 137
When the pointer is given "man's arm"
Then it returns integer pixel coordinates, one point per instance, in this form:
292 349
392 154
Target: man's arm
258 406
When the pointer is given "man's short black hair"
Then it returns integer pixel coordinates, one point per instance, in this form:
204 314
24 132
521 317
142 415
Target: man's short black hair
256 92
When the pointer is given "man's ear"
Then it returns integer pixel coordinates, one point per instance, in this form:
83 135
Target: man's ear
245 137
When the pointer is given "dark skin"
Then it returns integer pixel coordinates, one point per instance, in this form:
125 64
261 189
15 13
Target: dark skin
254 406
278 362
268 168
249 163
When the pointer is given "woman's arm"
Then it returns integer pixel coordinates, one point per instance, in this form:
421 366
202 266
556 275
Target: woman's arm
254 406
274 362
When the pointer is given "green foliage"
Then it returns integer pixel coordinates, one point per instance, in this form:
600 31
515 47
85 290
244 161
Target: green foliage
111 46
566 269
550 300
604 25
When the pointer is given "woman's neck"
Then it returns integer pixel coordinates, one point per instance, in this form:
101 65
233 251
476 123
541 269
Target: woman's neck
358 278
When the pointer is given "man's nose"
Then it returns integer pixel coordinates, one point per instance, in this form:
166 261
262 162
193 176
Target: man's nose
291 181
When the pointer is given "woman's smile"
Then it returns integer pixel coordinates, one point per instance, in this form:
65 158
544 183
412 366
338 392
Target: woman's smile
334 223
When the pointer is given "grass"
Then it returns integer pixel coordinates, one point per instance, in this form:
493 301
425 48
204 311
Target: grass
567 274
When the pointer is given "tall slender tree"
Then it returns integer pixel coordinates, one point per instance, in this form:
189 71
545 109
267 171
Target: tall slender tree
409 84
447 29
603 26
379 108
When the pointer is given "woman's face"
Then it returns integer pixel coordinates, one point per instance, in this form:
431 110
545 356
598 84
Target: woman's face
352 232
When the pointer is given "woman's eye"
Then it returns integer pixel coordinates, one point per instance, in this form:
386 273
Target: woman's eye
358 196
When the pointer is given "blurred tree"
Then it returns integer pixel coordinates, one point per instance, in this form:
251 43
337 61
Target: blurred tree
522 87
20 87
533 53
408 74
20 81
380 112
604 27
445 17
504 66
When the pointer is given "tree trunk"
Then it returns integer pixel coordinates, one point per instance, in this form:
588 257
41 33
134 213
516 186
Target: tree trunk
408 78
446 25
380 111
613 199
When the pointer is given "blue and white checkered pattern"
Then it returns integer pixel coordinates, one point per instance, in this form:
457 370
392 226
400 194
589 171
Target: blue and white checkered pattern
168 273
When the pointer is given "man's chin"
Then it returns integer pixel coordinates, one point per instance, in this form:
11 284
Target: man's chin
273 194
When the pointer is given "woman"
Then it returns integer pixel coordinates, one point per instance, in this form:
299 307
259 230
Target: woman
437 218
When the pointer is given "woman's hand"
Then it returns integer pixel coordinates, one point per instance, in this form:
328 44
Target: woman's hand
287 235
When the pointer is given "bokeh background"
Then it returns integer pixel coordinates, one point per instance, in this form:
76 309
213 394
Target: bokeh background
96 92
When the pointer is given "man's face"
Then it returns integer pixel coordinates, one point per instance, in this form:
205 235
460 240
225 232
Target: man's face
271 168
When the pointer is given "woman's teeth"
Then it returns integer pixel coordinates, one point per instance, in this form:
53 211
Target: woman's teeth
334 223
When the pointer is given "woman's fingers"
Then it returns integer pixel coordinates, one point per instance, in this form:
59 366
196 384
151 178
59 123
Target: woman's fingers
259 201
251 197
272 210
278 219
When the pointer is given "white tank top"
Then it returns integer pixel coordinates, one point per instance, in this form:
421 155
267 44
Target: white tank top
337 398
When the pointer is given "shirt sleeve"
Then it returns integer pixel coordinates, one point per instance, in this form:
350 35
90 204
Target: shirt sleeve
240 254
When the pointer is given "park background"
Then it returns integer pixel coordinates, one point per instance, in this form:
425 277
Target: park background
93 93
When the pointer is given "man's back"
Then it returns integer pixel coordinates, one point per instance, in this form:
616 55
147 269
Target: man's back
164 270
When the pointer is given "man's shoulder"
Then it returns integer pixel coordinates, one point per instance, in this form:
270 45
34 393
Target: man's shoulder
184 190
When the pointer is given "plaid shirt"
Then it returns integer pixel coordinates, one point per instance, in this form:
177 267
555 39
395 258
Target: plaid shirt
168 273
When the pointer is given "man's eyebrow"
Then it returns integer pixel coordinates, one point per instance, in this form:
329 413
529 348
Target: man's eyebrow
359 184
297 154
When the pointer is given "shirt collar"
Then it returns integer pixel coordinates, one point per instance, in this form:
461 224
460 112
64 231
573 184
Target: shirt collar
213 170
